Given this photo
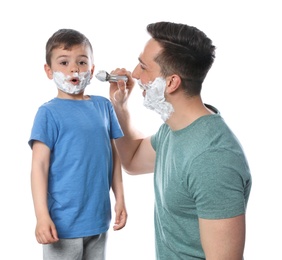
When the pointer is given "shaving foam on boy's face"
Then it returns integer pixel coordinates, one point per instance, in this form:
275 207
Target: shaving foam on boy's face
155 99
63 82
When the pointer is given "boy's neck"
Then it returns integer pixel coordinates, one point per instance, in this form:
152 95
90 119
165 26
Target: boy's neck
80 96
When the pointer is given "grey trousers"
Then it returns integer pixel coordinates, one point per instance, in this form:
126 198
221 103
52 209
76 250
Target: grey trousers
86 248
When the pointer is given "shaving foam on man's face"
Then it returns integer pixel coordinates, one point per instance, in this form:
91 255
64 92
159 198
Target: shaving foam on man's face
63 82
155 99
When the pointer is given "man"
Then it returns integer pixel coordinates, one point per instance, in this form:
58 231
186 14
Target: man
202 180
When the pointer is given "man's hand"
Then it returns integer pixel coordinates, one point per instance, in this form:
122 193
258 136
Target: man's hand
120 91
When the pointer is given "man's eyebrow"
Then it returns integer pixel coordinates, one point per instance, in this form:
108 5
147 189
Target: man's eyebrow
140 60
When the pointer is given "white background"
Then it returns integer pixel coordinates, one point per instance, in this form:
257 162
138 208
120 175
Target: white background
244 84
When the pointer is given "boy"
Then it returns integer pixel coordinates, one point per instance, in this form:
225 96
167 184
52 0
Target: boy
74 160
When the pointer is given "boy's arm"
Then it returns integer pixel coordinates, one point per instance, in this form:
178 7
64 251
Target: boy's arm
117 187
45 231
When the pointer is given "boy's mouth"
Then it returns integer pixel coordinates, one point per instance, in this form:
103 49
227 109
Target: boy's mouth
74 81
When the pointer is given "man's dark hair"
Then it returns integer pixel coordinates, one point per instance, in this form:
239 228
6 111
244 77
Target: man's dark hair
187 52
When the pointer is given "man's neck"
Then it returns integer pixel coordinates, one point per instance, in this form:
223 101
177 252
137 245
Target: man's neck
186 111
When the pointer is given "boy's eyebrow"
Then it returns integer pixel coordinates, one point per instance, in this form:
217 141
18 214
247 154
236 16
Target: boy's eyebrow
65 56
62 56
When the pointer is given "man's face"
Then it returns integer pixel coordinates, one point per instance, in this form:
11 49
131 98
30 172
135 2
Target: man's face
147 72
147 69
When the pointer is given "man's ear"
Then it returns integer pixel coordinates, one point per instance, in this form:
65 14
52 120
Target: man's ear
48 71
174 82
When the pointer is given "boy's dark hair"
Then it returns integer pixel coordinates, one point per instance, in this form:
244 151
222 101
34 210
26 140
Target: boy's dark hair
187 52
66 38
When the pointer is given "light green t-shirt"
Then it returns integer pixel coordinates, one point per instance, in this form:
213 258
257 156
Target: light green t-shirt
201 172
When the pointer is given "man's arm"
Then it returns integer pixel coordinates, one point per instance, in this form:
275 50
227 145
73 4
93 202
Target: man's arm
135 150
223 238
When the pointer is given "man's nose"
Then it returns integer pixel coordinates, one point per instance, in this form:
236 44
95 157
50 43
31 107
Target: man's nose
135 73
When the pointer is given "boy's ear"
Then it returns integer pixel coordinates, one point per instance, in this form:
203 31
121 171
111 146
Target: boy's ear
92 71
48 71
173 83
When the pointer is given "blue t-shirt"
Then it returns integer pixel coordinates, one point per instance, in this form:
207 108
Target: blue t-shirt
78 133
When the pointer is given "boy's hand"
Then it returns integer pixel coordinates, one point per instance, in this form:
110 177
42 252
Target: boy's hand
46 232
121 217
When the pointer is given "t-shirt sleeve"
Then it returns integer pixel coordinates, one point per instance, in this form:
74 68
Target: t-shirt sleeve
217 184
44 128
115 130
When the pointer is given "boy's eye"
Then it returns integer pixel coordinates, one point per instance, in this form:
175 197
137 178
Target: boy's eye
82 63
64 62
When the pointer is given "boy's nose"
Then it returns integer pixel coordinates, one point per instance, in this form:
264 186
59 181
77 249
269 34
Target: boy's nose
75 69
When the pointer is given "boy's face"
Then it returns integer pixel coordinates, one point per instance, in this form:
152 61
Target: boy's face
71 69
76 60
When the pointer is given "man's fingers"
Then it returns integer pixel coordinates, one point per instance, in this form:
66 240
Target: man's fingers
121 85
